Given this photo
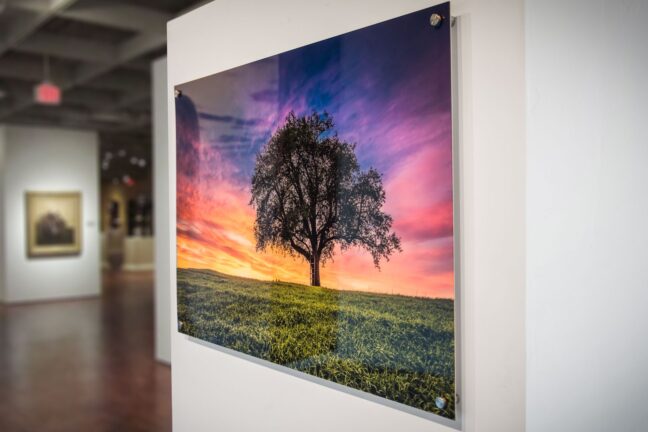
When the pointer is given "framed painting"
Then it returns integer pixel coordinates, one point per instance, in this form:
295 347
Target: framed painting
315 213
53 223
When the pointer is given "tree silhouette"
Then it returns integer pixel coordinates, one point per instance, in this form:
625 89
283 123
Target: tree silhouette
310 194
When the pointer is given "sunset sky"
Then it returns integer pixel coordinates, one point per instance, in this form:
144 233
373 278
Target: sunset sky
387 88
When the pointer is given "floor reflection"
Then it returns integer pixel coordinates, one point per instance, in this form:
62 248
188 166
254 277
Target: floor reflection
84 364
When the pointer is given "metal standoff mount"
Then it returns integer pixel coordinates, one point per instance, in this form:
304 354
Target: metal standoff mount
441 402
436 20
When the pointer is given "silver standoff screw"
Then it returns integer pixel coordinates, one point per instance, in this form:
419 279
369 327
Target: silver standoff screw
436 20
441 402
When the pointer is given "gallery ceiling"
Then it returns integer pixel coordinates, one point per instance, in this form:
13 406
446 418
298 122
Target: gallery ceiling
97 51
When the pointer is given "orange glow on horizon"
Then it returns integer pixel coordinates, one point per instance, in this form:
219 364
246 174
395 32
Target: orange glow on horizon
216 232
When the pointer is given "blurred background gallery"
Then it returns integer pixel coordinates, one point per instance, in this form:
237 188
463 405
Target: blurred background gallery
83 344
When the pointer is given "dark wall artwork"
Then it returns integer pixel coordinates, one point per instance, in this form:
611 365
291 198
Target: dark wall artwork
53 221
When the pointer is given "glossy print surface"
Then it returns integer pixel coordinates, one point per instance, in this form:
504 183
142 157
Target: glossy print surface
315 214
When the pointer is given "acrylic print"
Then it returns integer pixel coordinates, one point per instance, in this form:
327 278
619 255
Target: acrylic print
315 212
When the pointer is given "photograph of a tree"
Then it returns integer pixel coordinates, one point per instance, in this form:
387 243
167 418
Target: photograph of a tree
315 212
310 194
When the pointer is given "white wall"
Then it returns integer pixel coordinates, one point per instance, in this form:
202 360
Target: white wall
587 212
162 219
2 246
215 391
39 159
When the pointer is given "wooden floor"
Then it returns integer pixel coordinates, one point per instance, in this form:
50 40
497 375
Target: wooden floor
84 365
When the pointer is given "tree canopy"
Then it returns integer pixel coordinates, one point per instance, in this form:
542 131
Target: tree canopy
310 194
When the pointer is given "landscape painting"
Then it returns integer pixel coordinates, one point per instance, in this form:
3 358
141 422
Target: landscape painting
315 212
53 223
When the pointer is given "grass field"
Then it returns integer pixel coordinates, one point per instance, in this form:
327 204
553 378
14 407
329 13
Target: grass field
399 348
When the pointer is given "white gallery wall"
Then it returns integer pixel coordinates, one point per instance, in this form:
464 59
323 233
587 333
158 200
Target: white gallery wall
2 246
40 159
587 213
162 220
216 391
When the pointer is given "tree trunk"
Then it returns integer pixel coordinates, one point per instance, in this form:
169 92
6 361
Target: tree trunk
315 270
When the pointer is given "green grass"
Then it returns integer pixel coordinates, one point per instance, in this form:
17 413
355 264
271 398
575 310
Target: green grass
396 347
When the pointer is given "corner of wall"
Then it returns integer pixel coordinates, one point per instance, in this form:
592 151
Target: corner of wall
161 216
2 182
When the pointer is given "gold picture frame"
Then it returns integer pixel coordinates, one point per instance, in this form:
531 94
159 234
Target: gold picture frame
54 226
